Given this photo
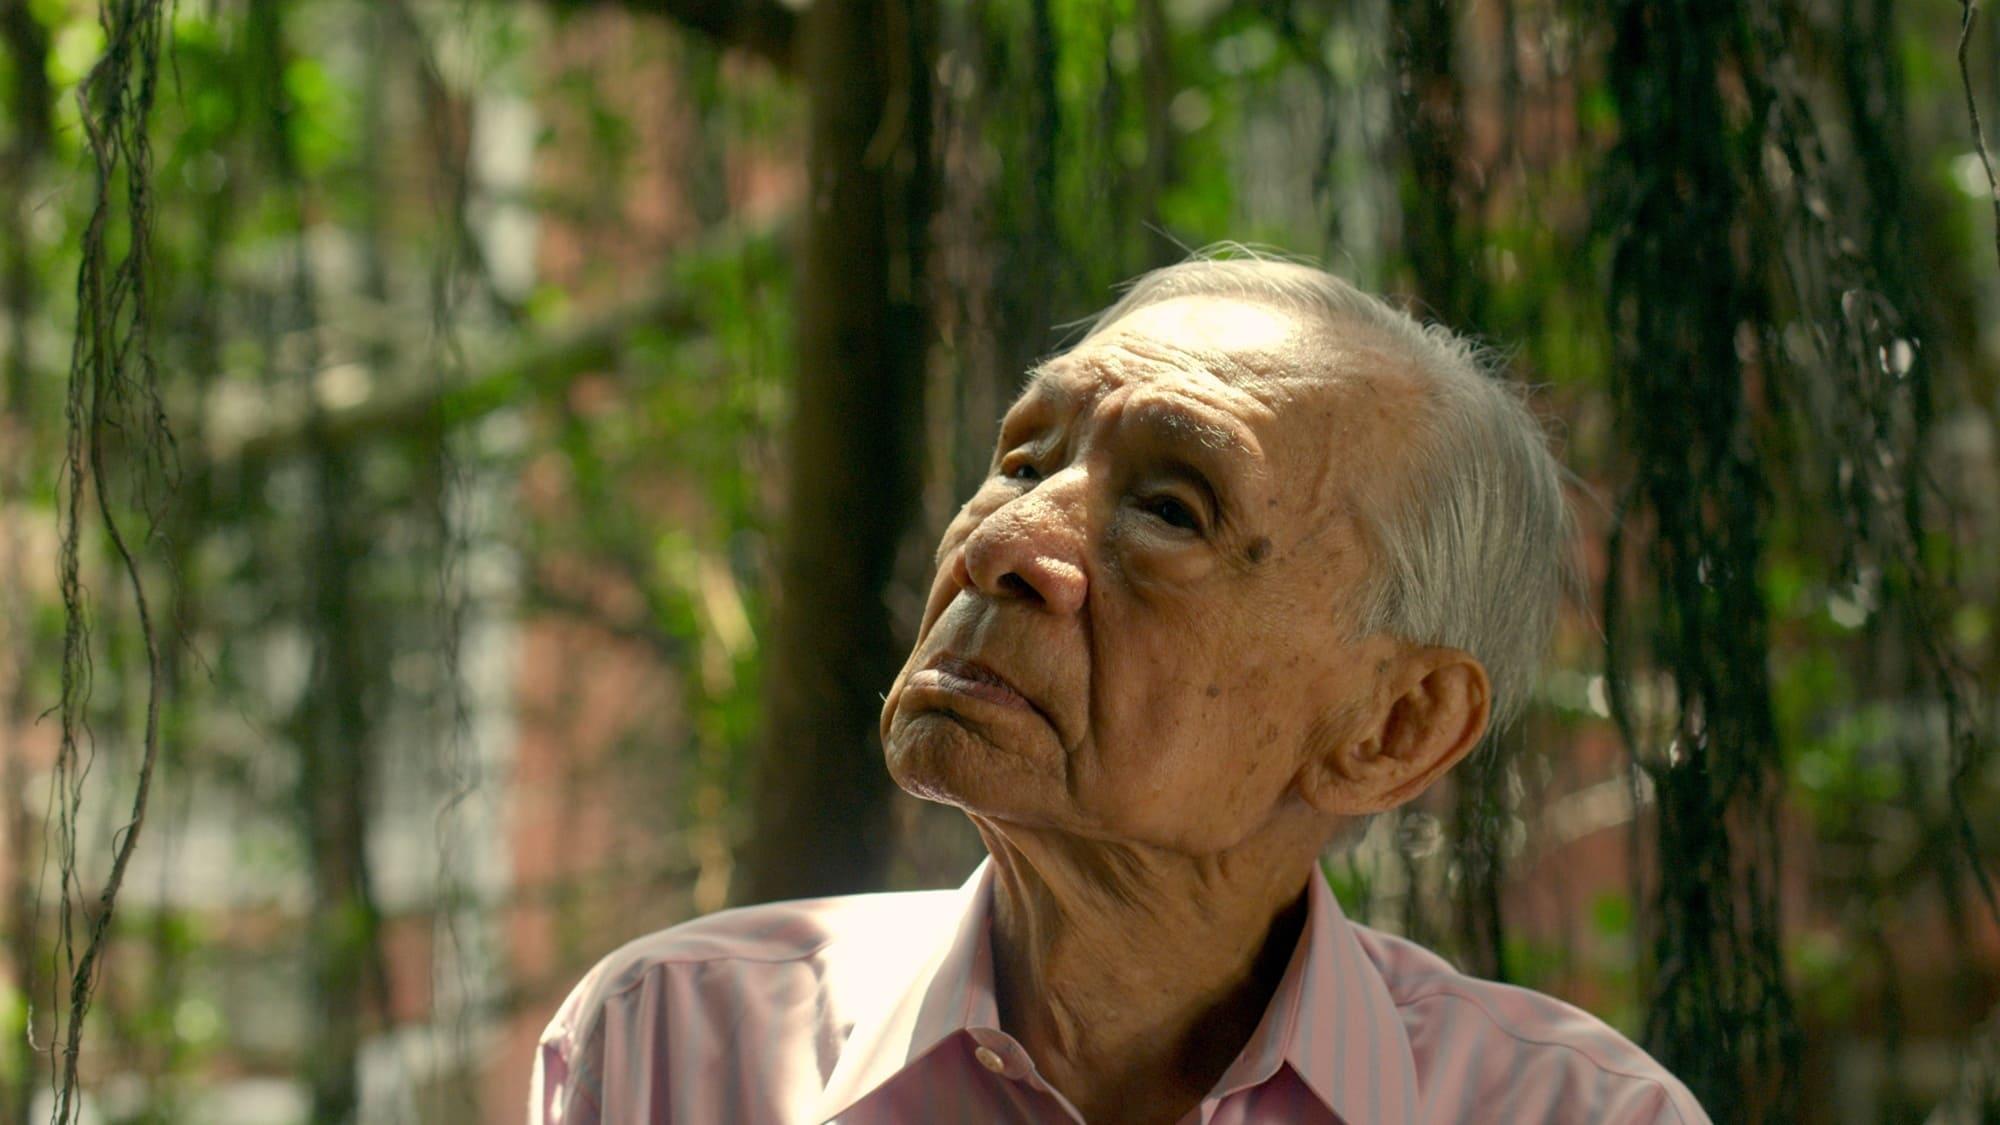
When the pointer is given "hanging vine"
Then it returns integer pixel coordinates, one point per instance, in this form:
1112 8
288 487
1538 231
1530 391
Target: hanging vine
459 258
1863 391
1862 388
1799 370
1683 290
114 412
1968 18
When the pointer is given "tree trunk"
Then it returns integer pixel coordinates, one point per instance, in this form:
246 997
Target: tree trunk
337 750
1684 288
1440 219
821 806
1430 110
334 726
29 101
26 44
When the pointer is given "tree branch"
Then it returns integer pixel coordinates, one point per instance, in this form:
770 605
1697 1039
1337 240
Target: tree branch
539 369
536 369
765 28
543 593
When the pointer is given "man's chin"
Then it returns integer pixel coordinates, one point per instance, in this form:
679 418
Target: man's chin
939 755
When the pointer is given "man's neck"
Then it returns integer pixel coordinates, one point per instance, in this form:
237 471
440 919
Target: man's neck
1134 977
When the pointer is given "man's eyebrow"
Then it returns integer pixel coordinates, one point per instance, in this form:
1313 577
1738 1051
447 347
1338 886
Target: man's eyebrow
1043 388
1186 428
1041 380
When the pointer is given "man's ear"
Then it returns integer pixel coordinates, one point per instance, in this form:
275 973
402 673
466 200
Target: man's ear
1431 707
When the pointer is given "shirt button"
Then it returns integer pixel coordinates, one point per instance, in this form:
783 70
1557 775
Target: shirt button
990 1059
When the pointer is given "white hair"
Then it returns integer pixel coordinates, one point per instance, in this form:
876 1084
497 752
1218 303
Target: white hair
1471 549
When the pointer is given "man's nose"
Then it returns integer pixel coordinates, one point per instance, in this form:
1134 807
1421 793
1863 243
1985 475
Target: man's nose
1030 548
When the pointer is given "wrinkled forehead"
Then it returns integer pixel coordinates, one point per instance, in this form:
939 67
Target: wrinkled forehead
1213 325
1266 366
1327 410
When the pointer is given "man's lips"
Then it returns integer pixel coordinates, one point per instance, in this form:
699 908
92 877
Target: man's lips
969 677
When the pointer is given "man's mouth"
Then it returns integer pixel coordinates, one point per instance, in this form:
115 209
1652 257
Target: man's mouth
969 677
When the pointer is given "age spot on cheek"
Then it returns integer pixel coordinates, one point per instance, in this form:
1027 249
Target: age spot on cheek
1260 548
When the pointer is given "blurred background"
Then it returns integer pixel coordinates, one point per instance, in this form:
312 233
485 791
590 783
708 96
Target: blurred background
528 423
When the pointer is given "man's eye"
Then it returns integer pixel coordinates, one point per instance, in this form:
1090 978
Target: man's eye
1173 513
1019 469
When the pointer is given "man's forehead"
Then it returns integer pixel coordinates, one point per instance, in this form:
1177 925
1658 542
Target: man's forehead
1250 386
1161 399
1235 326
1218 341
1186 392
1124 356
1226 344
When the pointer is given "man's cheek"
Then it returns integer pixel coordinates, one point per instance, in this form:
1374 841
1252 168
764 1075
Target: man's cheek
941 594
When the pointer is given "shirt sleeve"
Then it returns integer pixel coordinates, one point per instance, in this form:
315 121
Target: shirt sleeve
1651 1103
567 1083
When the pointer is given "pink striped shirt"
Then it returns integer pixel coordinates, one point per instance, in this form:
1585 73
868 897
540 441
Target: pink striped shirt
879 1008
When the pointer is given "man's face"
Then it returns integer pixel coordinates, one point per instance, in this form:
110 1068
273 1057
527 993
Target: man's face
1136 631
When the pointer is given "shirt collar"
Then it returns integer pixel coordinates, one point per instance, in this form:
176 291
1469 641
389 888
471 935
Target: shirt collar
950 987
1331 1019
1333 1022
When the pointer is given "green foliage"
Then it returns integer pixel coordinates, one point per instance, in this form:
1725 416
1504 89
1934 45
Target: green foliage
500 476
1352 883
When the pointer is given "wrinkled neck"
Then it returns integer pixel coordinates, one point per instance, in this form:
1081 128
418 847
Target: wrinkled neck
1133 977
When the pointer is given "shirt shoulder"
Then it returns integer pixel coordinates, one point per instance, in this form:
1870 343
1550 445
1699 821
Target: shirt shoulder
786 974
774 934
1491 1051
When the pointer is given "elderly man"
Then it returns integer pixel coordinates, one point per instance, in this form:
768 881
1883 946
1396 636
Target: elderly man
1259 557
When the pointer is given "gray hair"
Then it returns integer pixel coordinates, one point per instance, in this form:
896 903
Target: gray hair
1473 549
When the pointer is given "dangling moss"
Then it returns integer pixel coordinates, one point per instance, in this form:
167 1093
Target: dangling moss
1685 286
1862 405
1968 19
119 457
1762 356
